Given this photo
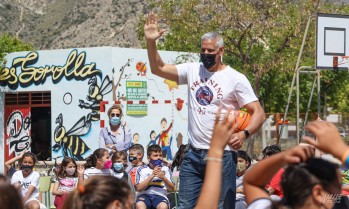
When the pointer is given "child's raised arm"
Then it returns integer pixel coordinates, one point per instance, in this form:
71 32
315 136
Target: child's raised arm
211 188
9 163
265 170
328 139
81 170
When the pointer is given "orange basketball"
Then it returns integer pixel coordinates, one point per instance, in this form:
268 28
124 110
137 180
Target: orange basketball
242 118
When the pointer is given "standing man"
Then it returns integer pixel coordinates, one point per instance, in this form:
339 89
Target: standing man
210 84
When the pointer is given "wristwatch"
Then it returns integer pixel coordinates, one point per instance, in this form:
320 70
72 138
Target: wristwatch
247 134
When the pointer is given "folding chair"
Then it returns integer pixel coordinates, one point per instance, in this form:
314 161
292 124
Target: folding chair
175 179
44 188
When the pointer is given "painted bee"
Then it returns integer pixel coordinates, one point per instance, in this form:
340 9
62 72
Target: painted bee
95 96
70 142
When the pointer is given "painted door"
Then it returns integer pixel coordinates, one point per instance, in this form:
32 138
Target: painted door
17 131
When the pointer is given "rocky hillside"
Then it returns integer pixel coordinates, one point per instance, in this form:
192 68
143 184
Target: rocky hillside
54 24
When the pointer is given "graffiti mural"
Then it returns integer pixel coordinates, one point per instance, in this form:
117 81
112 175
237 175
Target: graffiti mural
70 142
17 130
74 68
165 140
79 80
95 96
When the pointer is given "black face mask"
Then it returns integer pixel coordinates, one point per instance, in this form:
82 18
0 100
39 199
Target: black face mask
209 60
131 158
27 167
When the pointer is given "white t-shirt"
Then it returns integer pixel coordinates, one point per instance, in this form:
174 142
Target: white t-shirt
97 172
262 203
206 92
156 186
31 180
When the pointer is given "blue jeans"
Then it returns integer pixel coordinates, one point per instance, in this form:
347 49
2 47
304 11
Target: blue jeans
192 175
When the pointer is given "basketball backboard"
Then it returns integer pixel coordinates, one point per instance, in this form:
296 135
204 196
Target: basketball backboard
332 39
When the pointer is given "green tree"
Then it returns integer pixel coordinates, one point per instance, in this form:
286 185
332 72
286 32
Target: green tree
10 44
259 35
262 40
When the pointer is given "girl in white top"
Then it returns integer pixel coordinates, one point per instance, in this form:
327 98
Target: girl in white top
67 180
99 163
27 181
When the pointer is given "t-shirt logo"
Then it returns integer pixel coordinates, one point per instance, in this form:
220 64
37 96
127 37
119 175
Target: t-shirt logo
204 95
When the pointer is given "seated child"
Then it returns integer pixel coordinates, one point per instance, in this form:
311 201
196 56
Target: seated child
153 181
135 158
67 180
119 160
10 164
27 181
98 163
244 162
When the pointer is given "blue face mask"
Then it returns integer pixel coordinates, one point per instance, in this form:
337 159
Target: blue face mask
156 162
114 121
118 166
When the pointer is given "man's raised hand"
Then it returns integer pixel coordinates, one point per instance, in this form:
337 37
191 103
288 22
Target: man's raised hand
151 31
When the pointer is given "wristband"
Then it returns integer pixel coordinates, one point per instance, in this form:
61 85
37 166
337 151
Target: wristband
345 158
215 159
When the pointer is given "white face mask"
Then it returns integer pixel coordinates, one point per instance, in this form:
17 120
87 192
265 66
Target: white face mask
240 167
70 171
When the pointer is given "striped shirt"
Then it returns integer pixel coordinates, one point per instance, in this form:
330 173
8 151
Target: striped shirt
156 186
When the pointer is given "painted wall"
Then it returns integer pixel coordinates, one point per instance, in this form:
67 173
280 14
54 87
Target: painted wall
79 79
2 141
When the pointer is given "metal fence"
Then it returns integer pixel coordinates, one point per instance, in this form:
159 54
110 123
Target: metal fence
268 134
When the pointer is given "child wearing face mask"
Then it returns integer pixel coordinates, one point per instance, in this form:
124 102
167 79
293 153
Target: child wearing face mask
67 180
153 181
98 163
136 153
244 162
27 181
119 160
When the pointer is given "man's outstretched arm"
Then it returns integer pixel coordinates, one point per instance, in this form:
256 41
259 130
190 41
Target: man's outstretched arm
157 66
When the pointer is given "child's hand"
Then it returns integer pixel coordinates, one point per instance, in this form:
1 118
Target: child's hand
298 154
157 170
222 131
22 153
328 138
161 175
81 169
